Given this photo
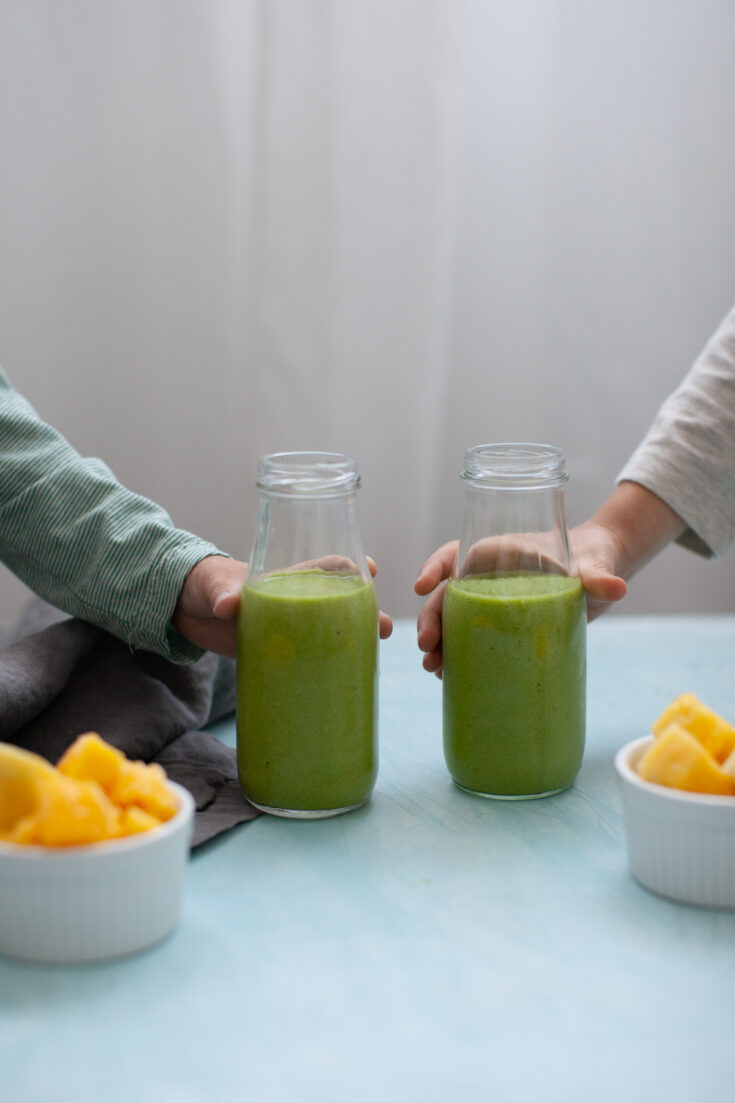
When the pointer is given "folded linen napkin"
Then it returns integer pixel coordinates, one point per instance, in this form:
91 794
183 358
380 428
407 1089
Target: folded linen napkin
60 676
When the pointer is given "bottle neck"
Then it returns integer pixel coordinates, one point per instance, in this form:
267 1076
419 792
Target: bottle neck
307 532
515 466
518 529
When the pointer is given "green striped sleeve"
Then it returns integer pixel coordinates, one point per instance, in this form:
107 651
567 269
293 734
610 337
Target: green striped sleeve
86 543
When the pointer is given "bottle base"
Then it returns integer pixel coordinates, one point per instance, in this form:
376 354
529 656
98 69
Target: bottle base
512 796
306 814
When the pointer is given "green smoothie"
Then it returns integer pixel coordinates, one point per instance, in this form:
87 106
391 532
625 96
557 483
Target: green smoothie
514 682
307 678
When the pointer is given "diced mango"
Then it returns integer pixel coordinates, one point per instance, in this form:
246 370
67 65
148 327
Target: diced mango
23 776
137 783
714 732
91 759
95 793
76 812
39 805
728 766
126 782
134 820
679 760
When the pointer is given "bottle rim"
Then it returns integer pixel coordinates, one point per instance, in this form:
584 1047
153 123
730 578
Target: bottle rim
515 465
315 474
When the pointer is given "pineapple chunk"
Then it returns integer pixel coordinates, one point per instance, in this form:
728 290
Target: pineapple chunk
677 759
89 758
712 731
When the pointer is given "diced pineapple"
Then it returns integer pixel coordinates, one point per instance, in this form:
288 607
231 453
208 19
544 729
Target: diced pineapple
712 731
89 758
677 759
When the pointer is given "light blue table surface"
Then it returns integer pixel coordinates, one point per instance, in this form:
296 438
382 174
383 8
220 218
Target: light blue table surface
429 946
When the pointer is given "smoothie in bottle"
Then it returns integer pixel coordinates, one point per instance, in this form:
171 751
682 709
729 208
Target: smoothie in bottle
307 663
514 631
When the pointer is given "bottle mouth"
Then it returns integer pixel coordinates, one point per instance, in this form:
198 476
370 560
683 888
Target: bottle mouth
515 466
312 473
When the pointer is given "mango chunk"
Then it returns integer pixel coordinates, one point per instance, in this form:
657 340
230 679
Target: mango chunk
91 759
712 731
728 766
137 783
127 783
23 776
39 805
95 793
134 820
73 813
679 760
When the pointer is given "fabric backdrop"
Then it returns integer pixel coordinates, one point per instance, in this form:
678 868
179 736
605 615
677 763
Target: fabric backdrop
389 227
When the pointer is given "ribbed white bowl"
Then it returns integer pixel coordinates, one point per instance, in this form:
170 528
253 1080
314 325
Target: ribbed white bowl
680 845
87 903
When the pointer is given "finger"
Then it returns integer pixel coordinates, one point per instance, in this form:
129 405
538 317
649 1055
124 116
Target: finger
217 585
429 624
436 568
385 625
601 585
371 565
432 661
226 604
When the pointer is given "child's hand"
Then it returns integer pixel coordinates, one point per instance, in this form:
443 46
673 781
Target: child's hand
597 554
595 550
432 581
206 612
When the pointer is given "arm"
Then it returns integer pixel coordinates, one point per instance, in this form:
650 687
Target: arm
678 485
687 458
628 530
95 549
90 546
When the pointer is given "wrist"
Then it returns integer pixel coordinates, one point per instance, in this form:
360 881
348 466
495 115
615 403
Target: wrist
638 524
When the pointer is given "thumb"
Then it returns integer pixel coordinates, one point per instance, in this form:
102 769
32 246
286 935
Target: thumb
602 585
219 583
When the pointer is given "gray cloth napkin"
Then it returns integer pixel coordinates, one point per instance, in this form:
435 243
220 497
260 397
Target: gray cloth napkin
60 676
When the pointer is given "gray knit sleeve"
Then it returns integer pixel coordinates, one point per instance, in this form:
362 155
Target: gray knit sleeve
687 457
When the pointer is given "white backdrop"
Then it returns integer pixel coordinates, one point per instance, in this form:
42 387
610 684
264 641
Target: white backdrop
389 227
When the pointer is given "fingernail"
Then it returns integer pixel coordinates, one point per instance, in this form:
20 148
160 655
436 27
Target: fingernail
218 601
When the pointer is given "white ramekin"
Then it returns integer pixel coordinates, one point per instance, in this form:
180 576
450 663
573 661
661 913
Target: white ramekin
88 903
680 844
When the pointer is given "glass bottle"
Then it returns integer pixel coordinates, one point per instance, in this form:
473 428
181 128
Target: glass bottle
307 663
514 630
